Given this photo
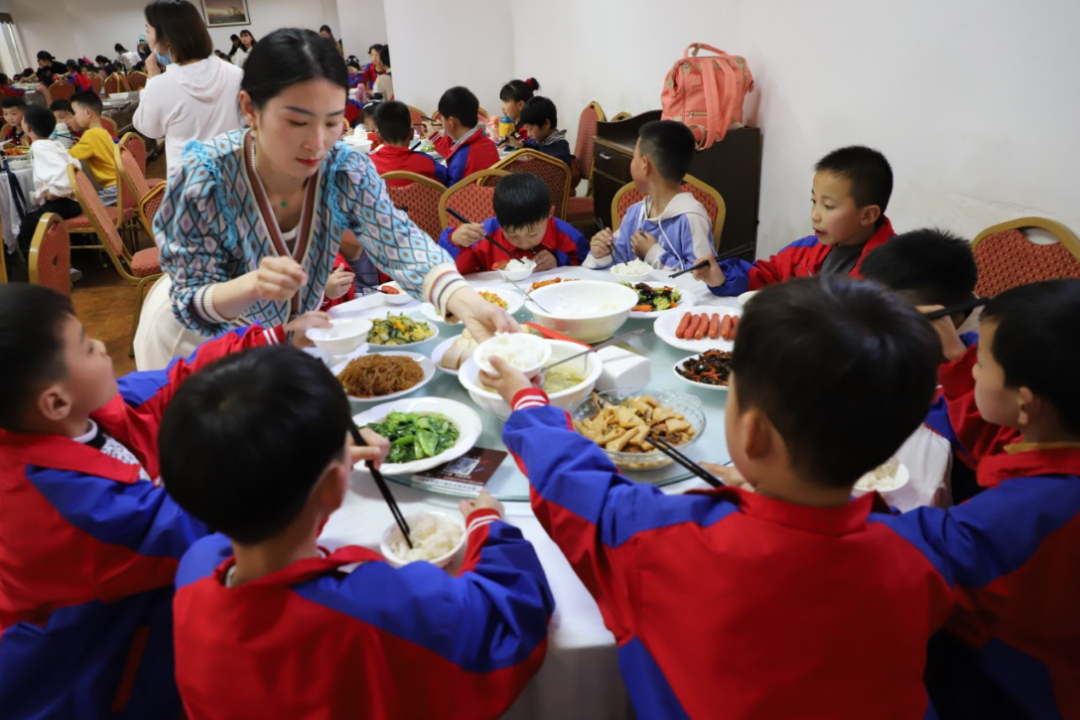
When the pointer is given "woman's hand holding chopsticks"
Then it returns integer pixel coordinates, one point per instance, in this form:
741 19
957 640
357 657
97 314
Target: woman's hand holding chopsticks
375 451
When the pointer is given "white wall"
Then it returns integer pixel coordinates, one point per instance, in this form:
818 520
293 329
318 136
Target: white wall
363 24
436 44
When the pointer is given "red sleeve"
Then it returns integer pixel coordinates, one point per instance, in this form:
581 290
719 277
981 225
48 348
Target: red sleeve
778 268
442 144
469 261
978 437
482 155
476 530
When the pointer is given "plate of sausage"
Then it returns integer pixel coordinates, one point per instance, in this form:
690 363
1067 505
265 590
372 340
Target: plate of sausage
698 331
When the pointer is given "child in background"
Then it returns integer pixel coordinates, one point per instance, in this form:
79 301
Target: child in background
851 190
935 268
91 542
371 73
524 222
7 90
261 600
78 78
514 95
462 142
395 130
50 162
95 147
1015 548
669 229
766 604
67 130
339 286
14 108
540 117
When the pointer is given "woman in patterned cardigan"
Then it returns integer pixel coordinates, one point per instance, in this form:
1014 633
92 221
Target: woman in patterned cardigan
252 220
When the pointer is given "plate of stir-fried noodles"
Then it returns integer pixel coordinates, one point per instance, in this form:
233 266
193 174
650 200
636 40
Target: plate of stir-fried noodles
384 375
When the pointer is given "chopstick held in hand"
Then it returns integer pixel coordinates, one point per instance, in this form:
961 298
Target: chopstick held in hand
725 256
380 482
461 218
964 307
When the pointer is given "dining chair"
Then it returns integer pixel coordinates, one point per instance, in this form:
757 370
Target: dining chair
61 90
472 197
554 173
1006 258
137 80
582 209
418 197
96 84
50 254
705 194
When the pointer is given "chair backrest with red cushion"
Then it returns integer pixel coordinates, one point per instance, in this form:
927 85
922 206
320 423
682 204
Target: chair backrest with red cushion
61 90
554 173
586 133
137 80
95 209
1006 258
418 199
470 198
50 255
96 83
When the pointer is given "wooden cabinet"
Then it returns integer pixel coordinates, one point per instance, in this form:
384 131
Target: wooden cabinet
732 167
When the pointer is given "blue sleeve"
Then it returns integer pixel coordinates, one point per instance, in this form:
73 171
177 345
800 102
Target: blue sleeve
455 166
440 171
576 236
737 273
446 244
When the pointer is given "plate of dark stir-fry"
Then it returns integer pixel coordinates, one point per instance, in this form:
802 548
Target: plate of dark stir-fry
711 369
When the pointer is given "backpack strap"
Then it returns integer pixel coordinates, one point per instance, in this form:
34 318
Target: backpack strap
717 107
697 47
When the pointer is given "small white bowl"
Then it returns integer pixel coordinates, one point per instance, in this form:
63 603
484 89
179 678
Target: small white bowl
342 337
745 297
642 277
401 298
518 275
395 531
482 354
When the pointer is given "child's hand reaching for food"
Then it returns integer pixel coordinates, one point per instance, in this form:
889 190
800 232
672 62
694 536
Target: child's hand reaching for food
375 451
484 500
508 383
339 282
952 347
711 274
299 326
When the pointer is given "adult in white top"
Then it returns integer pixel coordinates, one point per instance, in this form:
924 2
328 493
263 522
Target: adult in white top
195 96
247 44
383 83
125 57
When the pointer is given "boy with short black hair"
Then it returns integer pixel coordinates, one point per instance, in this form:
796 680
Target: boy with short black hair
524 222
794 577
67 130
669 229
1015 548
463 142
540 119
90 541
256 445
394 124
14 108
95 147
50 162
851 191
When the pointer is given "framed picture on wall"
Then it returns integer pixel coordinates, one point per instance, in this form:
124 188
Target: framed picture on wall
220 13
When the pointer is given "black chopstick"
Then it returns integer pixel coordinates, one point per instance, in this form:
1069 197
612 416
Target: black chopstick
380 481
415 145
614 252
725 256
964 307
668 449
493 241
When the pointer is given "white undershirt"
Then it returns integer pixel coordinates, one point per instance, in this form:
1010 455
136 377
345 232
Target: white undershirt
106 443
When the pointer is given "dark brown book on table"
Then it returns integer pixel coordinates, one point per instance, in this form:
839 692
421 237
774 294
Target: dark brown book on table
469 473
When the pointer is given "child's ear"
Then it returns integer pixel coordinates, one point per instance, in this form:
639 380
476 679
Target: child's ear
757 434
329 492
551 212
54 403
869 214
1031 407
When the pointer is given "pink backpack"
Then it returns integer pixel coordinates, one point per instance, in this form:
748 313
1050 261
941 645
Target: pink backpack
706 93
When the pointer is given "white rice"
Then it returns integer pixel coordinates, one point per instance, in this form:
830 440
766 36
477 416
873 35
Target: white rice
634 267
432 536
515 265
882 478
520 350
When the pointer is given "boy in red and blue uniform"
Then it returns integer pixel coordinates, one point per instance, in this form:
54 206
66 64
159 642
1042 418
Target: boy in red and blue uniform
541 119
704 591
270 625
89 543
851 191
524 223
1015 548
395 128
935 268
463 140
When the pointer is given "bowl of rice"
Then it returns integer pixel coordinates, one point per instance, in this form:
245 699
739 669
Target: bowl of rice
886 478
588 311
518 270
436 537
524 351
632 272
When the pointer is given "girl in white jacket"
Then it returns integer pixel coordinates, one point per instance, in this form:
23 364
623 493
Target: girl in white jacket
195 96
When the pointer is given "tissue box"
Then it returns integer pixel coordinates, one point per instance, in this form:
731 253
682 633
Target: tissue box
624 369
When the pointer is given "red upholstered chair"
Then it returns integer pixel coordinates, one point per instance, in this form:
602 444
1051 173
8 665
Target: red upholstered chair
137 80
96 84
61 90
50 254
554 173
471 197
149 205
581 209
134 183
1006 258
418 196
141 268
705 194
110 126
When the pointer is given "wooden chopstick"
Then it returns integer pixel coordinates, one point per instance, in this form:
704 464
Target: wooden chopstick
614 252
964 307
380 482
725 256
493 241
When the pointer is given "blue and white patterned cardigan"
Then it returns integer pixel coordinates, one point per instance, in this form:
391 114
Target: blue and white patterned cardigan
210 230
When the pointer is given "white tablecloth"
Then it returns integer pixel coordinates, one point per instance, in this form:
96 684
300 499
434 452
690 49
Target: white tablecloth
8 215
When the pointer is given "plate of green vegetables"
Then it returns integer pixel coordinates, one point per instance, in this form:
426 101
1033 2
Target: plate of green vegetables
423 432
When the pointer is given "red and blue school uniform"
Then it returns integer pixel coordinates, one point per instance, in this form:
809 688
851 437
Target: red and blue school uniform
802 258
89 547
368 75
391 158
560 239
1014 551
726 603
470 154
348 635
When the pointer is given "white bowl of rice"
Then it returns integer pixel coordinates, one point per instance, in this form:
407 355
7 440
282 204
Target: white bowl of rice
632 272
886 478
524 351
518 270
436 537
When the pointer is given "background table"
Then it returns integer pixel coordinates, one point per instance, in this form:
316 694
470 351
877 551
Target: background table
9 217
580 677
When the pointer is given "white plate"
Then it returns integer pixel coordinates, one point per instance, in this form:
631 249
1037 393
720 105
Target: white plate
512 298
439 351
675 369
381 348
667 323
466 420
686 302
373 305
425 364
